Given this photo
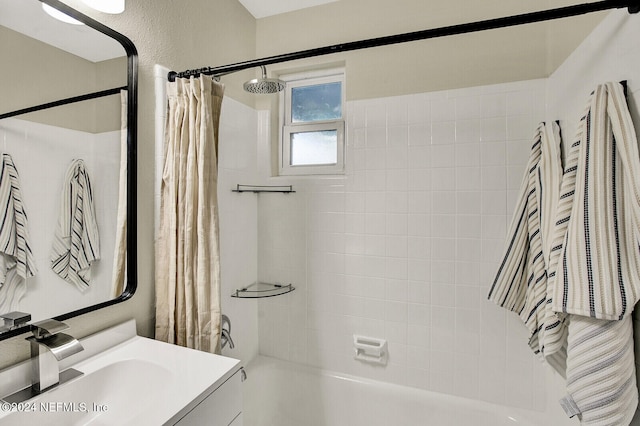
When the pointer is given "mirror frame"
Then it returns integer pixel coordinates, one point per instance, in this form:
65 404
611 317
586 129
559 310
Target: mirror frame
132 132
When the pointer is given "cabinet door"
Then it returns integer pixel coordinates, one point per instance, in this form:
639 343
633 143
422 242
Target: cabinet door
221 408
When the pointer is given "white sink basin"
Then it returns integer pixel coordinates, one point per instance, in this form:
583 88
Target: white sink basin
137 382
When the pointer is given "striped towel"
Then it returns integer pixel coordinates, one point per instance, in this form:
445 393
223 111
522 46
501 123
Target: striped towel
600 258
521 282
16 259
601 373
76 241
596 253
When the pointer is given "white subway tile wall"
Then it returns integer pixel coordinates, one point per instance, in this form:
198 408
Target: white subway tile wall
405 244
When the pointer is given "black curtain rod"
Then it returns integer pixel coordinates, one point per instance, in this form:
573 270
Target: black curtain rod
66 101
509 21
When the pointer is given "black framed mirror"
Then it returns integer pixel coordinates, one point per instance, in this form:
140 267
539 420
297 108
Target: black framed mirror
72 96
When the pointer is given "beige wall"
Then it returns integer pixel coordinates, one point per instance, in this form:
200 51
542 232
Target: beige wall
468 60
41 73
180 36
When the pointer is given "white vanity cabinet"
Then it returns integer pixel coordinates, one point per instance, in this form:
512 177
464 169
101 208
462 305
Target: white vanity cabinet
222 407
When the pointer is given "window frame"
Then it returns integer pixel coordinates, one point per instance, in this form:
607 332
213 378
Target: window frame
287 127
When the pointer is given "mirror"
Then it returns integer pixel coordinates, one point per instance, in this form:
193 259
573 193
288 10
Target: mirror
63 102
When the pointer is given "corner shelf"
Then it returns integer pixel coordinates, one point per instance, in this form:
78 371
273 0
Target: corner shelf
258 290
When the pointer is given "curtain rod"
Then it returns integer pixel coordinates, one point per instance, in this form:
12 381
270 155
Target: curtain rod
509 21
66 101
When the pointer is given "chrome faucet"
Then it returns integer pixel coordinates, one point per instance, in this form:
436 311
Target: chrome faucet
13 320
225 333
48 346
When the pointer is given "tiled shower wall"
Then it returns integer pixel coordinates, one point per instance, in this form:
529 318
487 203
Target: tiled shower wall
404 246
238 224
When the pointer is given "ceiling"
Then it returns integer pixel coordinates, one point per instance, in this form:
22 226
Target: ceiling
28 18
263 8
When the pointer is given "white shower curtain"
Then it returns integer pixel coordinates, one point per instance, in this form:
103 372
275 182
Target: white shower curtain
187 247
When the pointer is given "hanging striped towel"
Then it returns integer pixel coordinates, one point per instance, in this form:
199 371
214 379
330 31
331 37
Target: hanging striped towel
596 252
16 259
600 259
521 281
76 241
601 373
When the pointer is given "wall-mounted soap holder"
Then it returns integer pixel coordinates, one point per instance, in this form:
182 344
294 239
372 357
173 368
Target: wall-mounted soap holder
370 349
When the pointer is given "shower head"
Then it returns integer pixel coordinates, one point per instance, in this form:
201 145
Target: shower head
264 85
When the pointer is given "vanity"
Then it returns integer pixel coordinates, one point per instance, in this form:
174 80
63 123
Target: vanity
131 380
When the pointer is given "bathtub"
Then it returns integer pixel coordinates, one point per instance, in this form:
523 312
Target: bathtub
280 393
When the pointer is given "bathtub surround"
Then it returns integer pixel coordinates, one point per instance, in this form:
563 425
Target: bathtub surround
239 224
404 246
188 309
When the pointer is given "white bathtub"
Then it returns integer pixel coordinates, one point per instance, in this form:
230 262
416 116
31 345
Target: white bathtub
279 393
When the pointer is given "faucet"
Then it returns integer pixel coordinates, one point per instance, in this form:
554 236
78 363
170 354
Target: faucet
48 346
225 333
13 320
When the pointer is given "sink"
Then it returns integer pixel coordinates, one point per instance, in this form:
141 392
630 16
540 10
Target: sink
98 398
138 381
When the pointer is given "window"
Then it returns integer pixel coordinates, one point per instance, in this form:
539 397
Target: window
312 139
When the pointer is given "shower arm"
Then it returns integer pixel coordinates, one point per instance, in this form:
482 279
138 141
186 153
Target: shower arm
633 6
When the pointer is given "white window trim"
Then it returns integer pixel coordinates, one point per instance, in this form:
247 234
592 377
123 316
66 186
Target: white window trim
286 127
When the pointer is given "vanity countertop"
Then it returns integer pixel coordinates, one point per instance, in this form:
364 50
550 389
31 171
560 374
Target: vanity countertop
127 380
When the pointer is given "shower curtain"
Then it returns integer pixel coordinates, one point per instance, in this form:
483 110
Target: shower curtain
120 251
187 247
